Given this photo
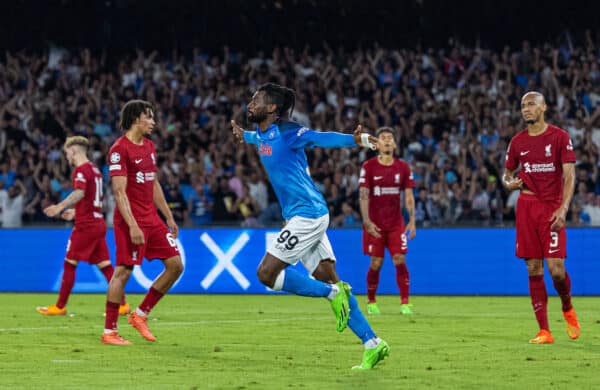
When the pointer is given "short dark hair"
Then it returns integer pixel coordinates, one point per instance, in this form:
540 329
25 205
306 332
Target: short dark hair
284 98
132 110
386 129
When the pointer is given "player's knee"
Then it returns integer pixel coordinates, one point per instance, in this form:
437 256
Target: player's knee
265 276
175 266
103 264
399 259
376 263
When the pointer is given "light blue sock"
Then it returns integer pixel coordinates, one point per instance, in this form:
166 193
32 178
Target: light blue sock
296 283
358 323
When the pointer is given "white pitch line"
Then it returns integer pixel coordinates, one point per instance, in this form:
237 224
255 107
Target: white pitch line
38 328
65 361
180 323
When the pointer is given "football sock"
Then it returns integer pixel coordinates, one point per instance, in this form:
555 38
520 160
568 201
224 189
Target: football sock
112 315
403 282
358 323
539 300
107 272
68 280
150 301
563 288
372 284
296 283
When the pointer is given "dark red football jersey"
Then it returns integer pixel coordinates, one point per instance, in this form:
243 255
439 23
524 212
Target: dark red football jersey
138 164
541 158
385 183
88 178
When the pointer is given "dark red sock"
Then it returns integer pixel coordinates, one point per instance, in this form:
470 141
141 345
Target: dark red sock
68 280
403 282
108 273
372 284
112 315
563 288
151 300
539 300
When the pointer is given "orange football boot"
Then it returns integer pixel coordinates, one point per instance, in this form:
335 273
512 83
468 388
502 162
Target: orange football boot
543 337
113 338
51 310
141 324
573 329
124 309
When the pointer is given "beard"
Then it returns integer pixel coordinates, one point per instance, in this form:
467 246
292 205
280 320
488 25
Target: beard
257 117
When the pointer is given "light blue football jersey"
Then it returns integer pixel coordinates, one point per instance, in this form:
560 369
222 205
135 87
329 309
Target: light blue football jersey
281 149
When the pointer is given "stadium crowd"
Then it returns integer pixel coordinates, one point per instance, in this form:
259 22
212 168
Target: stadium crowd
453 109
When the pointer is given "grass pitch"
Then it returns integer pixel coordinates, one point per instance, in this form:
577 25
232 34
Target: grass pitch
281 342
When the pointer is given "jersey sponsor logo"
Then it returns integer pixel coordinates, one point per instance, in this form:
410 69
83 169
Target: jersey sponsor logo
397 178
553 250
377 177
265 149
570 145
79 177
522 153
153 158
115 157
114 167
548 150
141 177
137 161
363 172
533 168
301 131
378 191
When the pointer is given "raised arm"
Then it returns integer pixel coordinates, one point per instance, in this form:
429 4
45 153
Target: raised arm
119 186
308 138
241 135
161 204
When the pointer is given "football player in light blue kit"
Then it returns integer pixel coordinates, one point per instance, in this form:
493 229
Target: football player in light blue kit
280 144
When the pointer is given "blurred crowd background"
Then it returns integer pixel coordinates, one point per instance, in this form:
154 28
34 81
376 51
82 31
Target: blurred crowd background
453 102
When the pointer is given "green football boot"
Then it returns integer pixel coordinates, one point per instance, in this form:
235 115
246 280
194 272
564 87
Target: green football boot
373 356
372 308
341 307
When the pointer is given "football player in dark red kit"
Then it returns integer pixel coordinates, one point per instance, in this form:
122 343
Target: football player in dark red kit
139 231
88 238
546 180
382 180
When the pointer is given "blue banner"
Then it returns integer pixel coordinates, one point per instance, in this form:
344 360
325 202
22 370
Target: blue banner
440 261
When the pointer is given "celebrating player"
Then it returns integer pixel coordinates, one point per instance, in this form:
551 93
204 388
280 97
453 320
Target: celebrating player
281 145
382 179
546 180
139 231
88 238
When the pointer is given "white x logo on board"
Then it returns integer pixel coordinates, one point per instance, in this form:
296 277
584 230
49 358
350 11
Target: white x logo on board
225 261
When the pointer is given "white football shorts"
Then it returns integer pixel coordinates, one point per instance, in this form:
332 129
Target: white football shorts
303 239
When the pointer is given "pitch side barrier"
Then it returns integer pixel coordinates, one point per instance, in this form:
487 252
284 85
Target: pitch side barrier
457 261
